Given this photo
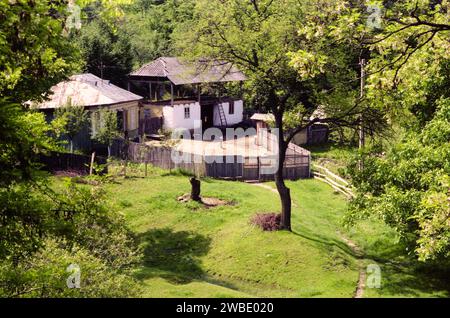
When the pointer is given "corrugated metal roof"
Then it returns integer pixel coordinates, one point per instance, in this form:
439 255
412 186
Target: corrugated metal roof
87 90
263 117
180 72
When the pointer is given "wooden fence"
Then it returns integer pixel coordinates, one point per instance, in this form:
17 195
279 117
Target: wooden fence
150 125
297 164
58 161
336 182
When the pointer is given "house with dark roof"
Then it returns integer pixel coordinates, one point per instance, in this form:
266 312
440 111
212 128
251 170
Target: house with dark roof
187 95
94 93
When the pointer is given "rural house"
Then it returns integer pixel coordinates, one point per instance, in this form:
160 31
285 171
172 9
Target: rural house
93 93
186 95
312 135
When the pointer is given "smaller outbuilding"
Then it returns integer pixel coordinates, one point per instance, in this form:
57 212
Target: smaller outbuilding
93 93
313 135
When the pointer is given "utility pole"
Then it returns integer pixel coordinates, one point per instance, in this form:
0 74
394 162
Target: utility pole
362 137
101 70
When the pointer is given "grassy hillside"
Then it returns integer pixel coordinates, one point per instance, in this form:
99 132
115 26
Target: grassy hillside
193 251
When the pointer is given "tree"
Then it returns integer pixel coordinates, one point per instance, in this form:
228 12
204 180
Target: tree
106 127
411 53
74 119
405 183
106 52
256 36
405 43
35 55
149 27
408 187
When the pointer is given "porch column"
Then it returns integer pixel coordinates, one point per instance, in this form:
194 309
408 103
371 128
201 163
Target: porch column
150 90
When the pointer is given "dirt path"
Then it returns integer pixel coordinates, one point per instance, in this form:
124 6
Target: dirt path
359 292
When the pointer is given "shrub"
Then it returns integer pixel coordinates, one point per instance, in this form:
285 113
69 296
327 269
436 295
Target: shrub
45 274
267 221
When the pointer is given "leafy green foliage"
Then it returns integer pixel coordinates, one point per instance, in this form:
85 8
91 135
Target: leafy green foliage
43 231
106 127
408 187
72 118
96 226
106 53
23 137
46 233
150 24
45 274
34 54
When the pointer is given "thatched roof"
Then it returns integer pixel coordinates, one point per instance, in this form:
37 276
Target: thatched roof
181 72
87 90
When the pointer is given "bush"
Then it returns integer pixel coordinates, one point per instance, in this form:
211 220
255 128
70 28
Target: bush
45 274
74 225
267 221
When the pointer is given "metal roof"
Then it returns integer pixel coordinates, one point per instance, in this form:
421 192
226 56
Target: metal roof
182 72
87 90
263 117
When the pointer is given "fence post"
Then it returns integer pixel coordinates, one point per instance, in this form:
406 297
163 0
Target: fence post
145 167
91 167
259 168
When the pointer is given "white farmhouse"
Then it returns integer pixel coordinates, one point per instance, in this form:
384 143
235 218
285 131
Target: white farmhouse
186 95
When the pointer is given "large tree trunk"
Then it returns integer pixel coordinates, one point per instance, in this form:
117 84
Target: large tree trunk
283 190
195 189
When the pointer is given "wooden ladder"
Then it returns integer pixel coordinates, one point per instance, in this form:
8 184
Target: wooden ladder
222 116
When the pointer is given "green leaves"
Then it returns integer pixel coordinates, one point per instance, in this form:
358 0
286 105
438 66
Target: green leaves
33 53
106 126
408 187
70 119
308 64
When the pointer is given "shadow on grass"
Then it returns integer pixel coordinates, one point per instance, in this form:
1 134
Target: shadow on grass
173 256
413 280
402 276
326 243
178 172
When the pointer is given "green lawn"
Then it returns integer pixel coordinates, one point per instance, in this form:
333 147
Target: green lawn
191 251
332 156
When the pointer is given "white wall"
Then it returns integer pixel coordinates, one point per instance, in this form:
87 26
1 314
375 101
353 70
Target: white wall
174 116
232 119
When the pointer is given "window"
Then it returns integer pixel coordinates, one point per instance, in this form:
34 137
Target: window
187 112
231 108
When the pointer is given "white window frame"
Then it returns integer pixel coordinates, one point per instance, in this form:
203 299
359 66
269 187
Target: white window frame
187 112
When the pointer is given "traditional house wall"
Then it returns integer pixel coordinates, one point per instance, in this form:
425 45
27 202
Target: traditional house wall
232 119
315 134
131 116
174 116
301 138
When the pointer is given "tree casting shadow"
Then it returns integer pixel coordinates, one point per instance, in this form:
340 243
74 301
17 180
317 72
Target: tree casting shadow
173 256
